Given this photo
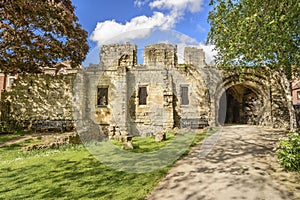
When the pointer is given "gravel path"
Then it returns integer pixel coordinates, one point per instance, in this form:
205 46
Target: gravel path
242 165
17 140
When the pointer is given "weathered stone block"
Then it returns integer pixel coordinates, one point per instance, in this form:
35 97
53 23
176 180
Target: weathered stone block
160 137
128 145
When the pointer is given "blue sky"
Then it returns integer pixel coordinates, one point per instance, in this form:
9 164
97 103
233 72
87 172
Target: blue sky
109 21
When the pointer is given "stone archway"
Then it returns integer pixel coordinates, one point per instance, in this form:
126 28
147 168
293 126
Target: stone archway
246 101
242 105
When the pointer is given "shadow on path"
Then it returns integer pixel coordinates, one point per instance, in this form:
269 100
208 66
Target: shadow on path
240 166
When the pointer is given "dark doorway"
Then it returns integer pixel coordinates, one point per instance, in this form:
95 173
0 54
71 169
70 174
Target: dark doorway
233 110
238 105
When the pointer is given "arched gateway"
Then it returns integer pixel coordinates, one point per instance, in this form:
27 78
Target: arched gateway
258 97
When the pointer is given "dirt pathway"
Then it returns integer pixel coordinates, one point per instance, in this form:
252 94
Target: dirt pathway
41 136
17 140
240 166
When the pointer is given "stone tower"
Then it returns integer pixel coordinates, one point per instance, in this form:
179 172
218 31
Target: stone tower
160 54
116 55
194 56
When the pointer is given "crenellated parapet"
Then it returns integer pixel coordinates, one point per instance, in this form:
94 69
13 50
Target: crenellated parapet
155 55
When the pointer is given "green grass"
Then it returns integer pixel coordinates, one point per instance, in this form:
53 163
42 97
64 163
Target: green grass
71 172
147 144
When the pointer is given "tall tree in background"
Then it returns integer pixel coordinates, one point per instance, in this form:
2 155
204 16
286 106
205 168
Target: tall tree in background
39 33
252 32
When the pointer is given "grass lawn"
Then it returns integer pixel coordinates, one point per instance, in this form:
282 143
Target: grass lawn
71 172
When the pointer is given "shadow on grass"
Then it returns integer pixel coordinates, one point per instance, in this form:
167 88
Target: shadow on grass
127 161
72 175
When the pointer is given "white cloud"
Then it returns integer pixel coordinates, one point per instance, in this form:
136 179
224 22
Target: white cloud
171 12
140 3
180 52
185 39
201 29
178 5
139 27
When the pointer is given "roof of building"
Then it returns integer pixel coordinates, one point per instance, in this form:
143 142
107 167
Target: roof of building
296 85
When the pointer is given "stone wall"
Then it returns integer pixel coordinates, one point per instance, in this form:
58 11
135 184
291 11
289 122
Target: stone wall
152 114
281 102
35 99
257 95
199 105
175 94
163 79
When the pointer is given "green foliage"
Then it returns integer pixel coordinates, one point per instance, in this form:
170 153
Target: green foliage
247 32
289 152
185 65
3 127
39 33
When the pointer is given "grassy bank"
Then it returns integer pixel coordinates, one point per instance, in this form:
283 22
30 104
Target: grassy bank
71 172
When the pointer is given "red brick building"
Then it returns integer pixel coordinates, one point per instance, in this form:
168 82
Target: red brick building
296 99
296 92
6 82
61 68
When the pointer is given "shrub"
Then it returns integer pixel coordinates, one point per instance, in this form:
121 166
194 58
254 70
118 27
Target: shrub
289 152
3 127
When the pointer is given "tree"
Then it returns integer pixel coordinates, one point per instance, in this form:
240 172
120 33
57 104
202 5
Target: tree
252 32
39 33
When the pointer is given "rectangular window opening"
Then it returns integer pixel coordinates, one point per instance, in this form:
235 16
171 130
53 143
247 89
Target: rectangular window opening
298 95
102 97
184 95
142 95
11 82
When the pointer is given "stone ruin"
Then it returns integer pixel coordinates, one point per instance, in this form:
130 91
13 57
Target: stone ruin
119 98
126 98
55 142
